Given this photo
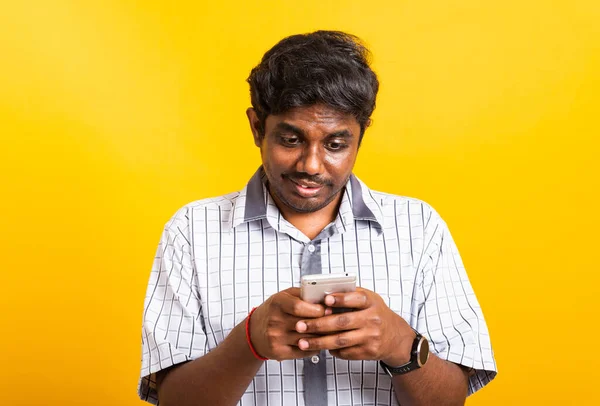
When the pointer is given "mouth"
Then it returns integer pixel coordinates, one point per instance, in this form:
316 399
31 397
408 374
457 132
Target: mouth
306 189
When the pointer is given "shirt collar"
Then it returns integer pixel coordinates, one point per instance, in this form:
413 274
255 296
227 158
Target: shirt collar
255 203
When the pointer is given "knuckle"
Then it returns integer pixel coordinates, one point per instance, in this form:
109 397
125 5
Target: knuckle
376 337
376 320
371 352
272 324
341 341
271 304
272 335
342 320
312 326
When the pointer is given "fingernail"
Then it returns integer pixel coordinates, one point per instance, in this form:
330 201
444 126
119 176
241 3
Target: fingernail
329 300
301 327
328 311
302 344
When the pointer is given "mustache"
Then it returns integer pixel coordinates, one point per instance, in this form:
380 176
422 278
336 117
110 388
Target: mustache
314 179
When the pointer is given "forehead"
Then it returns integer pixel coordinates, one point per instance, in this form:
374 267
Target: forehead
318 117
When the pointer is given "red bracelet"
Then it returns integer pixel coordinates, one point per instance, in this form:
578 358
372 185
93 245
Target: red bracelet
248 336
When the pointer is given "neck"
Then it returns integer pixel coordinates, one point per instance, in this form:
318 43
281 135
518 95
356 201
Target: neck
310 224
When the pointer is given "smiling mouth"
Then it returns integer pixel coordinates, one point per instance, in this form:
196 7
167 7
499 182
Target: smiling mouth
307 185
306 189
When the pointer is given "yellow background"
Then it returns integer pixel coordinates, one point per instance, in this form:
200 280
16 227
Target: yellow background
115 113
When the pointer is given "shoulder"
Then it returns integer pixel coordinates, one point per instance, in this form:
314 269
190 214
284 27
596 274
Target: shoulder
222 205
404 206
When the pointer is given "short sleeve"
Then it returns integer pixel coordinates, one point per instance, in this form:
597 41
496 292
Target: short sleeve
172 327
450 315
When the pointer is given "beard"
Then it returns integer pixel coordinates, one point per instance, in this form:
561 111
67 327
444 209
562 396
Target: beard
299 204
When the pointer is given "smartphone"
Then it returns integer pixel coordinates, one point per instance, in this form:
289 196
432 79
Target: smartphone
314 288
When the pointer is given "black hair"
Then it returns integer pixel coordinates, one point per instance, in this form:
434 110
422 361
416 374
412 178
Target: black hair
329 67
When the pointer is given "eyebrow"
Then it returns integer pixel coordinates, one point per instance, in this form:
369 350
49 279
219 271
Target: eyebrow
283 126
340 134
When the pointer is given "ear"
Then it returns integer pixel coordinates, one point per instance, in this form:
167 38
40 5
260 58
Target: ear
255 126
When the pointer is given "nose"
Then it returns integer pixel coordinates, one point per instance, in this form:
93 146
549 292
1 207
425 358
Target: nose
311 161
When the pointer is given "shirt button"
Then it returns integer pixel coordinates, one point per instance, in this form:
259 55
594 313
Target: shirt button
315 359
311 248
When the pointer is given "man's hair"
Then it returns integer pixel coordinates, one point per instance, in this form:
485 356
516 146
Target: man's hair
328 67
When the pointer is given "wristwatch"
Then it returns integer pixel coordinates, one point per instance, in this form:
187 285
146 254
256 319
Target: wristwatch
419 354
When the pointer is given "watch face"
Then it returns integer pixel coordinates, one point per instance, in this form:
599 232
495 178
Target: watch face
423 351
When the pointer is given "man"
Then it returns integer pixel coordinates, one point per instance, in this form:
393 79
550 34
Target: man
416 335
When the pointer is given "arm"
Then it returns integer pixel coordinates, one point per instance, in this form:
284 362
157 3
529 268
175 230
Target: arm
217 378
222 376
438 382
177 366
374 332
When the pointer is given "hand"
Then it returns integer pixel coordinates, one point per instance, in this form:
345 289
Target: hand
272 327
371 332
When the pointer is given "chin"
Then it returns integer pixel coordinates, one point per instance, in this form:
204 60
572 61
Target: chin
306 205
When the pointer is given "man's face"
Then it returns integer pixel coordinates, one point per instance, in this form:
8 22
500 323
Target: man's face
308 154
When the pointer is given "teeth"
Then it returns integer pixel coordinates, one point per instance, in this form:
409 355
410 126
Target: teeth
303 186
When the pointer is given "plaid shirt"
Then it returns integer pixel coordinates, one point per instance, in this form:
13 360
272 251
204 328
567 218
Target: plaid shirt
220 257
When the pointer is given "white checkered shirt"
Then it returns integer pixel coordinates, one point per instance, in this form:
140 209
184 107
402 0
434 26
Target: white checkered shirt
218 258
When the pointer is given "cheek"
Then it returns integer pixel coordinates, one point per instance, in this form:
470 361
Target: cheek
340 165
279 157
274 161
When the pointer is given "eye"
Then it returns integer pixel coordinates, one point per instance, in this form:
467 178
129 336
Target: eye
290 141
336 146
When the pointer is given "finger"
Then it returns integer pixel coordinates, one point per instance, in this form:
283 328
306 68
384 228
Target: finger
330 324
350 353
293 305
292 291
288 326
285 325
291 352
359 299
293 338
331 342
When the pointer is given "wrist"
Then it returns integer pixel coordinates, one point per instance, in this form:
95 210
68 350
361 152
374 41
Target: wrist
249 338
402 350
419 354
